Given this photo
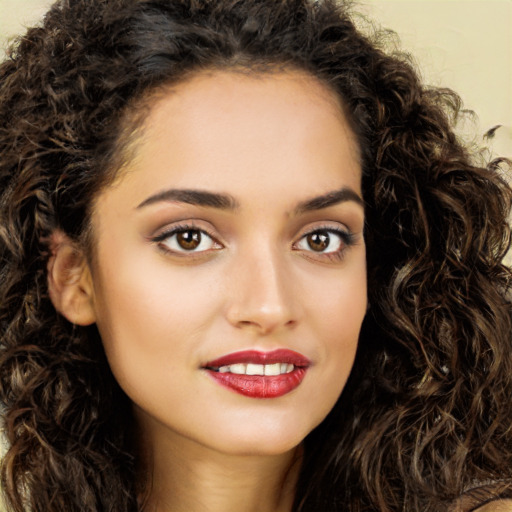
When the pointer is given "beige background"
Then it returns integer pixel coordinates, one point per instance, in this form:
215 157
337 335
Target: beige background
462 44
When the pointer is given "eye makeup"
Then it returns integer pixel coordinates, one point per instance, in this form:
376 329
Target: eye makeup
325 243
189 239
186 239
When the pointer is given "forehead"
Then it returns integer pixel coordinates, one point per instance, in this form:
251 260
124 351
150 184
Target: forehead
240 88
243 129
251 102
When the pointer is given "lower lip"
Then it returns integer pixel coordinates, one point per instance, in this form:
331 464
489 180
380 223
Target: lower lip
260 386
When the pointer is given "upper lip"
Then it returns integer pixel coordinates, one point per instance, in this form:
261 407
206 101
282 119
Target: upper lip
258 357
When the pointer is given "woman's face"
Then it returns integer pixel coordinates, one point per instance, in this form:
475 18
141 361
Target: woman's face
229 279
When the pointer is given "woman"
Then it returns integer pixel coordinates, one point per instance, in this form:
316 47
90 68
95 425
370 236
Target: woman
246 265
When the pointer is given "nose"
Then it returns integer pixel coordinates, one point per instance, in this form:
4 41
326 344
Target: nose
262 295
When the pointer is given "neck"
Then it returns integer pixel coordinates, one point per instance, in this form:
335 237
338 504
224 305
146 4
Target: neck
189 477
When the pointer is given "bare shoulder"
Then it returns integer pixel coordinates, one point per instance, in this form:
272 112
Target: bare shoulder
496 506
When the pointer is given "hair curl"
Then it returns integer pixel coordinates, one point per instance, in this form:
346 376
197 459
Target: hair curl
426 413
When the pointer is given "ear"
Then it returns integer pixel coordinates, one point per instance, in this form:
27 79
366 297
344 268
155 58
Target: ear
69 280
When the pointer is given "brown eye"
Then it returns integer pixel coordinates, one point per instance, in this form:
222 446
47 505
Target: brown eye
188 240
325 242
318 241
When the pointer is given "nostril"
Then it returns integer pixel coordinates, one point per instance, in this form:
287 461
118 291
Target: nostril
263 308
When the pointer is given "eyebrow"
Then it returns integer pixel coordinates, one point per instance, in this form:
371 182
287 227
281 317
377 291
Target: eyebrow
330 199
195 197
228 202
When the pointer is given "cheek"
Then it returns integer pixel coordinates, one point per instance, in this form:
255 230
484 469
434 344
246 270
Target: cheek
339 303
348 308
146 294
150 318
337 313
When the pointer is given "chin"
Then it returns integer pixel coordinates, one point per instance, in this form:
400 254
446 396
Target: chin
263 448
263 440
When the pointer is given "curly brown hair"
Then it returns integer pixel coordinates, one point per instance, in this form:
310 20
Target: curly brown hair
426 413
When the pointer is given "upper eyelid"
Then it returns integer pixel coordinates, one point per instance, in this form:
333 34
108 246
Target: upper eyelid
342 233
199 225
176 227
334 226
160 241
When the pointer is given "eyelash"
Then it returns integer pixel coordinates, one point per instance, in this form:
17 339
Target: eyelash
183 228
347 239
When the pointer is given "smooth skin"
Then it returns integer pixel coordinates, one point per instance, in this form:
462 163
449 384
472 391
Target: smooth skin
237 225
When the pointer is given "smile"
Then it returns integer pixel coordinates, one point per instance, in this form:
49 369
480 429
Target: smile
259 374
257 369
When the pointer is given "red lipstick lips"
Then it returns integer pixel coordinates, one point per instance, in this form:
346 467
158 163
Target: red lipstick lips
260 374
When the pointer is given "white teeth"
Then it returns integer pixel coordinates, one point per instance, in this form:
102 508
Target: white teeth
257 369
239 369
273 369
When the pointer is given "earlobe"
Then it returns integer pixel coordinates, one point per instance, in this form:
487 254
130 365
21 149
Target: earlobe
69 281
